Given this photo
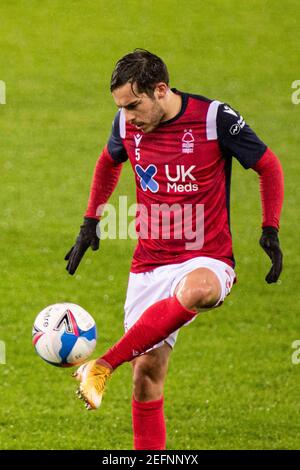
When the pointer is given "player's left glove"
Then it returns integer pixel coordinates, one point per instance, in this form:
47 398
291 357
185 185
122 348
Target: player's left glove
87 237
270 243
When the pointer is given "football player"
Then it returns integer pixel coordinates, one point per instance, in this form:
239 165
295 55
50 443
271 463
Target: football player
180 147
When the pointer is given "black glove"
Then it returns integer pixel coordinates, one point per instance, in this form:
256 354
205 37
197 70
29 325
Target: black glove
270 243
87 237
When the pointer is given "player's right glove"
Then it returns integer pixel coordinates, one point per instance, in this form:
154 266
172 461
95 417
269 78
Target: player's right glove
270 243
87 237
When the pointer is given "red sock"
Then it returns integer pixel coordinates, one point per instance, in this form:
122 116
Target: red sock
156 324
149 429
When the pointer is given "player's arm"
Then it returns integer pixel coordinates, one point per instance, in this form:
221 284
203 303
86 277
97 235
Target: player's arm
271 179
237 138
105 179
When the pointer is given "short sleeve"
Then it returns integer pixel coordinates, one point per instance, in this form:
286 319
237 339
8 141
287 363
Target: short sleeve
115 144
237 138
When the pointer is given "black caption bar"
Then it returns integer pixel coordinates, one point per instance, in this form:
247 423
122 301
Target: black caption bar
135 459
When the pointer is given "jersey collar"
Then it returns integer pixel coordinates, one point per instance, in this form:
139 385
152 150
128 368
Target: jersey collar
184 102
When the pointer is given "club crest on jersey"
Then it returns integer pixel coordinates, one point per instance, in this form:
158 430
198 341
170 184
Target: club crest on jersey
147 178
188 141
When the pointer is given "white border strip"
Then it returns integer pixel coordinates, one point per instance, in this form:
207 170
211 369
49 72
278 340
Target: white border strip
122 124
211 120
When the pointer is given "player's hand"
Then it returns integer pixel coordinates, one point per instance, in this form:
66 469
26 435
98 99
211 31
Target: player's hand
87 237
270 243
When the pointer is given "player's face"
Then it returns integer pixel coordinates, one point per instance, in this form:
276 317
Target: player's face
142 111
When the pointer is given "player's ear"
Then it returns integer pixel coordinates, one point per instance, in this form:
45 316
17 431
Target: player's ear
161 90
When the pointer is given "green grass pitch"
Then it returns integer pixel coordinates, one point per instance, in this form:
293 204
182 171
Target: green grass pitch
231 383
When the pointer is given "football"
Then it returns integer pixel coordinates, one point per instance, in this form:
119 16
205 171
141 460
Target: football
64 334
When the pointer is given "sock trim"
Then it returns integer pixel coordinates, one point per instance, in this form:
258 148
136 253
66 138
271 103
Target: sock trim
149 405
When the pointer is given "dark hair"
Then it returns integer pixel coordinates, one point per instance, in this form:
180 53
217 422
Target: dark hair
142 68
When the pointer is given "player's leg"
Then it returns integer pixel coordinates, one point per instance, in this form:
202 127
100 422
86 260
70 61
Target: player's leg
155 324
149 372
199 288
203 283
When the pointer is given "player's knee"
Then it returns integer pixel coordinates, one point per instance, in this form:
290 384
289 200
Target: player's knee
205 296
198 296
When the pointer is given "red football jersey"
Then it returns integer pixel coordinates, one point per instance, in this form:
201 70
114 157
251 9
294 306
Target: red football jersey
182 172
